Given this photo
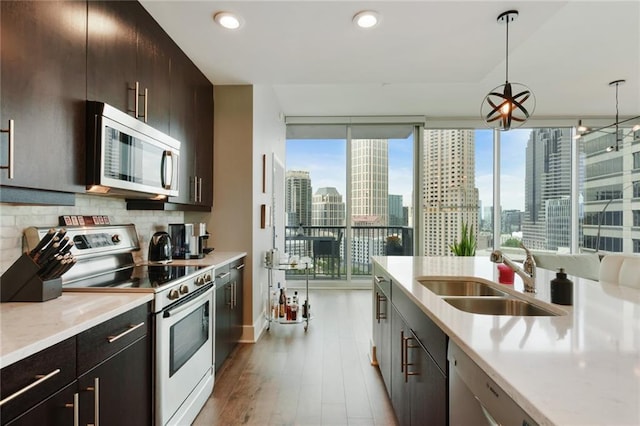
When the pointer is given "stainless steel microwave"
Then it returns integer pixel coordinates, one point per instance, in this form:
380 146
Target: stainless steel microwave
128 157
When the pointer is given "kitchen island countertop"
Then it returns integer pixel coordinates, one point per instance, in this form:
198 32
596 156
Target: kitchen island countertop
582 368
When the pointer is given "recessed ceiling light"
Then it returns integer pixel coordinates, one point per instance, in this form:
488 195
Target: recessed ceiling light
366 19
227 20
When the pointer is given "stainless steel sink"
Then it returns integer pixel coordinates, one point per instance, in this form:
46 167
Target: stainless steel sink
498 306
461 288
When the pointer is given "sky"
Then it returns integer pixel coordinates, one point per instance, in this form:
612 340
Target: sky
325 160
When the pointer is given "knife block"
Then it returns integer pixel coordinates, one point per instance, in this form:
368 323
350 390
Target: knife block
21 283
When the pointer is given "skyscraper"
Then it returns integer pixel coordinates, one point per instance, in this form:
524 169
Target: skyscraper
547 181
450 196
369 182
611 220
396 213
327 208
298 196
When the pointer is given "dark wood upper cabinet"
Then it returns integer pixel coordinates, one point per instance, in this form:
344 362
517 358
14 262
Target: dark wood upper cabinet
43 86
192 124
128 61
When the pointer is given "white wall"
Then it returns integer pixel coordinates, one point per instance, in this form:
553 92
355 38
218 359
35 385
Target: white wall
247 124
269 134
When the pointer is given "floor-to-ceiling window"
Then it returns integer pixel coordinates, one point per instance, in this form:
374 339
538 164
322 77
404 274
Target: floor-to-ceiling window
610 162
349 191
537 186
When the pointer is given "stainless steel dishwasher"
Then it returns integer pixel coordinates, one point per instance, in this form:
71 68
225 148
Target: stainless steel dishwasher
475 399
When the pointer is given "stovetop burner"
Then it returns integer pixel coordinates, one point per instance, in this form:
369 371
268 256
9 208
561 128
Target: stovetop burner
151 277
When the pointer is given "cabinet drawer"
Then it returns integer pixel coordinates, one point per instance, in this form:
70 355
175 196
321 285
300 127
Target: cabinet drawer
106 339
46 372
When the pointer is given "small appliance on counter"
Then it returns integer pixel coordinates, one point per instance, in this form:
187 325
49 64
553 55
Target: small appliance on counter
199 240
160 248
181 234
189 240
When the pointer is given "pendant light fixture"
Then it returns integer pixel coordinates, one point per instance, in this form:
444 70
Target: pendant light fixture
511 104
584 131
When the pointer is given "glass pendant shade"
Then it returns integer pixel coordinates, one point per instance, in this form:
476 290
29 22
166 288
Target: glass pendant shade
508 106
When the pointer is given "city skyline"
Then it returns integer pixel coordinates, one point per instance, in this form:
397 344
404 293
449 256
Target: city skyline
325 160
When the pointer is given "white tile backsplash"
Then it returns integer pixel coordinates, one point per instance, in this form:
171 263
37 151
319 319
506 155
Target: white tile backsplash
14 219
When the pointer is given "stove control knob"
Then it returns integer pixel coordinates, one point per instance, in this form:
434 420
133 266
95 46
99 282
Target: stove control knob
207 278
115 238
184 289
173 294
199 281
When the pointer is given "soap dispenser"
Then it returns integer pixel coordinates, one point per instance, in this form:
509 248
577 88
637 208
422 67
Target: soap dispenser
561 289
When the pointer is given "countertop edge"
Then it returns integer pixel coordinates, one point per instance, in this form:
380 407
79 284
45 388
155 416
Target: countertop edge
72 330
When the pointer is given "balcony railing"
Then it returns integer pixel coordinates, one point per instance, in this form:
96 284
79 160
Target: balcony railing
326 246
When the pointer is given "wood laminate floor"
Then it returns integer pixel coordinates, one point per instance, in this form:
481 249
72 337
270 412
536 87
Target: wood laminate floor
292 377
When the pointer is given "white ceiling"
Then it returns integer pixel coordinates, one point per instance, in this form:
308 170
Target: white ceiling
432 58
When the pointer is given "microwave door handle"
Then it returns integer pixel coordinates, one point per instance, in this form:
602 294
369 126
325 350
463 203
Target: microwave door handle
167 169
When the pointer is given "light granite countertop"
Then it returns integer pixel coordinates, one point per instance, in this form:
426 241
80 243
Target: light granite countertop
582 368
26 328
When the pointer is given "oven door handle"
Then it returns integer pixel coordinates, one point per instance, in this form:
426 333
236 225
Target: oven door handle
195 301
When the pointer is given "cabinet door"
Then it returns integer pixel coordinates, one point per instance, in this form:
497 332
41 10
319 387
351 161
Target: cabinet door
382 333
43 88
204 143
120 388
236 269
428 387
57 410
153 64
37 377
223 316
400 395
111 53
182 123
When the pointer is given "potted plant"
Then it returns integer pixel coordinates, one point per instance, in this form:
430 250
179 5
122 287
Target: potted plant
394 245
467 244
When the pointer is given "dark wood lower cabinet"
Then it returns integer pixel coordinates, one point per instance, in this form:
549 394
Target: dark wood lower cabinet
104 374
119 387
382 326
419 387
229 300
56 410
223 316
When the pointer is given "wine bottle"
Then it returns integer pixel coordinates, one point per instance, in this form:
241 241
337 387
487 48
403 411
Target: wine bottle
282 303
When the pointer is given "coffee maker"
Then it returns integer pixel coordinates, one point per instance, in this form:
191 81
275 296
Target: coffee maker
188 240
181 234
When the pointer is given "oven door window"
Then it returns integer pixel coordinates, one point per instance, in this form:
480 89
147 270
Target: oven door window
187 336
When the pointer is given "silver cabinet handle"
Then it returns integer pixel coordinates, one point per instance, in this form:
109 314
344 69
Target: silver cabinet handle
199 190
96 401
239 267
379 314
41 378
195 189
146 100
136 95
167 169
225 275
11 130
379 279
76 409
112 339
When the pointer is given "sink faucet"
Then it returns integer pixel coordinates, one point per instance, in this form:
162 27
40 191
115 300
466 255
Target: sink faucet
527 272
